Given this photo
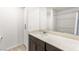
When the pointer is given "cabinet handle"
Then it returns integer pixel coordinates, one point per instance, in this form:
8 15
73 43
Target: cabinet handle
25 26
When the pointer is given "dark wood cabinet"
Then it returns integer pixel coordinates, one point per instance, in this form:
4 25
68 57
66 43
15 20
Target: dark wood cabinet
32 45
51 48
36 44
40 45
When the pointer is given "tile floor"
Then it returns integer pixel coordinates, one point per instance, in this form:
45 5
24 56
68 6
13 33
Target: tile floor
18 48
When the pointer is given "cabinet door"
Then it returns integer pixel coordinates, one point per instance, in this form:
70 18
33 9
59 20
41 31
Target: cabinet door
52 48
36 44
40 48
40 45
32 45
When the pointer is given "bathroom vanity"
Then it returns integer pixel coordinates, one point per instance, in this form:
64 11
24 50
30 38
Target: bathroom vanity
53 41
36 44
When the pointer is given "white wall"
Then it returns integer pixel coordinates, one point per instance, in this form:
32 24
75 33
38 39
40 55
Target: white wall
33 18
78 27
11 24
43 18
36 18
77 24
20 18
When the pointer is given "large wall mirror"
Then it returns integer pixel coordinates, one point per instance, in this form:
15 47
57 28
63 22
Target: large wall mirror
66 20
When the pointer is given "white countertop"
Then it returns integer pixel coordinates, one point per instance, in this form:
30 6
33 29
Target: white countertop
66 42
